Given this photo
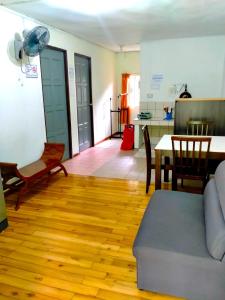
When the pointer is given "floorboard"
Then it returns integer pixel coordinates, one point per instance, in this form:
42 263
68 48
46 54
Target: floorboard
72 239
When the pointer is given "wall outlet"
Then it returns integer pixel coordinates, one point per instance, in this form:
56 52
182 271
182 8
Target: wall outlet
150 95
172 90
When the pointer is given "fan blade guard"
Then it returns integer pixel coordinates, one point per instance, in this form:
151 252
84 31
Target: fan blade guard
36 40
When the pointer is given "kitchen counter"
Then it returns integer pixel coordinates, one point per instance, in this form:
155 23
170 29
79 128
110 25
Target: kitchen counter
166 128
153 122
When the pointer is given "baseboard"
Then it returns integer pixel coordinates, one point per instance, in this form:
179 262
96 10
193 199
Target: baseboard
3 224
103 140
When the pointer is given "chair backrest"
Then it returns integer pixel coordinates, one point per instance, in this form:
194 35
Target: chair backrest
147 145
190 155
53 151
198 127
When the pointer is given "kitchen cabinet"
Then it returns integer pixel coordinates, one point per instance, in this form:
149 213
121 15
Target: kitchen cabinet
210 110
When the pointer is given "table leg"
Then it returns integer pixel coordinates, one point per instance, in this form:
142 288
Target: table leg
137 136
158 159
166 171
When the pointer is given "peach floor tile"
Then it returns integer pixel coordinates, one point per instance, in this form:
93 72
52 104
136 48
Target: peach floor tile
107 160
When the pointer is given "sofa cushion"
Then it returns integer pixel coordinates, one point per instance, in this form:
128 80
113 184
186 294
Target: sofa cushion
220 184
171 251
178 274
173 222
214 221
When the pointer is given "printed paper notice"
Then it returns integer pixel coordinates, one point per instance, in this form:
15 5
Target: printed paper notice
71 73
156 81
31 71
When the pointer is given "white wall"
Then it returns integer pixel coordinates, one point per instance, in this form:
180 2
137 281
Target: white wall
22 121
199 62
103 81
126 62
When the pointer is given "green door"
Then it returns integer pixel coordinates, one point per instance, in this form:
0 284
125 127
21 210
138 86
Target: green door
55 97
84 101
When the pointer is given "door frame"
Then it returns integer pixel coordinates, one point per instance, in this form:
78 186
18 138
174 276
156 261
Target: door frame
67 96
90 91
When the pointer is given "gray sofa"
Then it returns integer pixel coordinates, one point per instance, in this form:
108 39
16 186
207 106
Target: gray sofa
180 245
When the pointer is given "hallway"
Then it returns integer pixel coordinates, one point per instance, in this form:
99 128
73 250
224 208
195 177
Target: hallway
107 160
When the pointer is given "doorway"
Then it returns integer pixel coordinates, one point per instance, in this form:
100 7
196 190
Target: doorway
84 101
56 97
133 89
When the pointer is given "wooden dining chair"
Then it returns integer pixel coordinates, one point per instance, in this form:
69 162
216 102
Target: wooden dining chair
203 128
190 159
200 127
150 160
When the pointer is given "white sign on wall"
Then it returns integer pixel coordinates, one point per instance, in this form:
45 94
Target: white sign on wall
71 73
31 71
156 81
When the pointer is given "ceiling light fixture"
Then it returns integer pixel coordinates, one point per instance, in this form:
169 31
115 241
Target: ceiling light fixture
95 7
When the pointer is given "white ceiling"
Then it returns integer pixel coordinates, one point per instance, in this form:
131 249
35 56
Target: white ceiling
125 29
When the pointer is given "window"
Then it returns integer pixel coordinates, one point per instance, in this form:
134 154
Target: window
133 91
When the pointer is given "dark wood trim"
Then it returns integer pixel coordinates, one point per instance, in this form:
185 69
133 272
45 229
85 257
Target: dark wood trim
103 140
76 154
198 99
68 103
67 95
91 99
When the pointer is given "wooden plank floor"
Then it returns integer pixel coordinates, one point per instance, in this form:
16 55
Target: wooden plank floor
73 240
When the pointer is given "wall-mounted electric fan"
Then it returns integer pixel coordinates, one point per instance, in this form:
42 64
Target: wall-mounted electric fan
34 41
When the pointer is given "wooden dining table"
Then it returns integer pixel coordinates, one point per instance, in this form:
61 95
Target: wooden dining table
164 148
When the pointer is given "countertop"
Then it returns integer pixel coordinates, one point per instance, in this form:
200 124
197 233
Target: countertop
154 122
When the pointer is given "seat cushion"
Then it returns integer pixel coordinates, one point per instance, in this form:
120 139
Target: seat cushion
173 221
220 184
171 252
214 221
33 169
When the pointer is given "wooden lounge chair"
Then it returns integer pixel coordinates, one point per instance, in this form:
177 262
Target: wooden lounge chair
22 179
